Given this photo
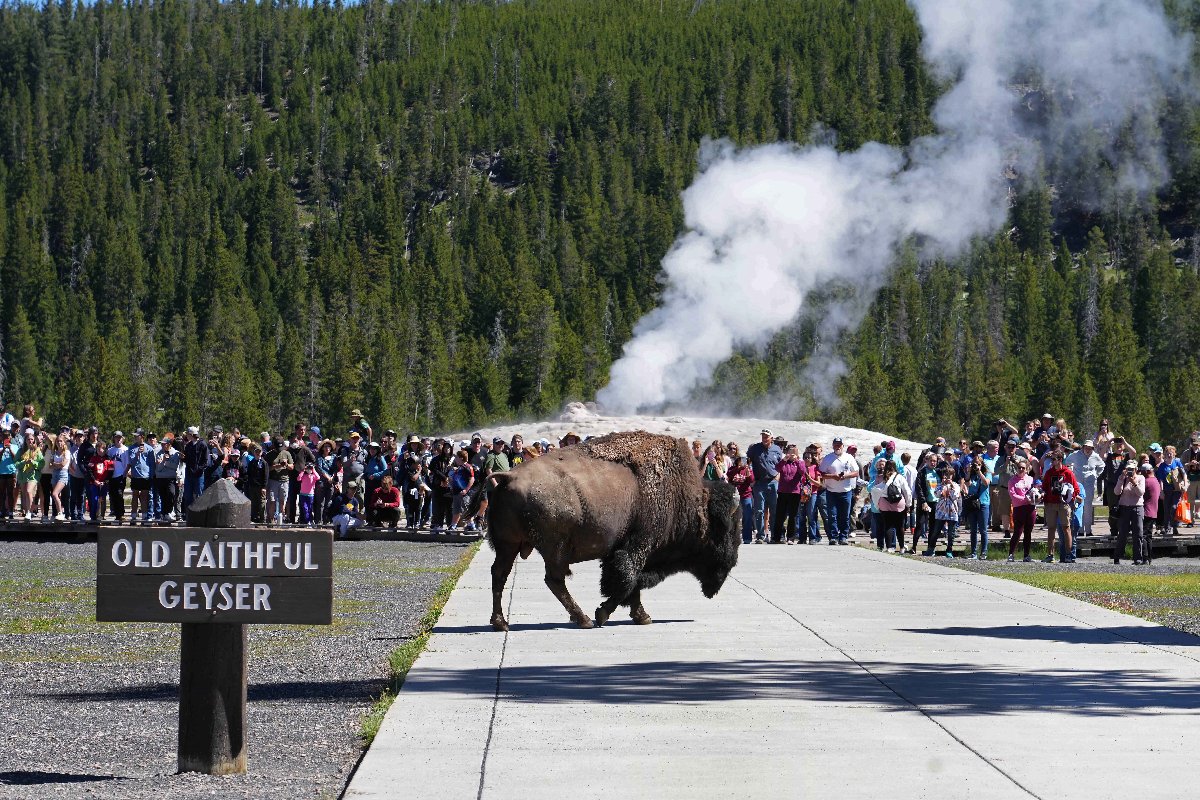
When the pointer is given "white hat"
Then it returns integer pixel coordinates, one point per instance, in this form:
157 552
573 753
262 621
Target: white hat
193 430
1089 443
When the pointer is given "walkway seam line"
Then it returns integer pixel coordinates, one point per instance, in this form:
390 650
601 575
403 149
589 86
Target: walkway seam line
487 745
891 689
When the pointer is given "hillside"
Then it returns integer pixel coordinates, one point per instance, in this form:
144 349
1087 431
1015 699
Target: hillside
454 213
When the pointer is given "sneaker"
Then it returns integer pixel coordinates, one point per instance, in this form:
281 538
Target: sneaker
949 554
28 516
973 557
1012 558
983 557
1048 560
171 517
1027 560
470 527
790 541
927 553
832 542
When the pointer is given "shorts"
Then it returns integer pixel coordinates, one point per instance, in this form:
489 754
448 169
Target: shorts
140 484
459 504
1193 492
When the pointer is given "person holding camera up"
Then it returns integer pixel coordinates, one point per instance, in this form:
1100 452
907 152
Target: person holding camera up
1130 490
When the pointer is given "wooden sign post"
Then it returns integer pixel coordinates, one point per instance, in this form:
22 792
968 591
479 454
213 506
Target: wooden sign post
214 581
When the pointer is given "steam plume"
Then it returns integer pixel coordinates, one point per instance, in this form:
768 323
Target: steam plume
767 225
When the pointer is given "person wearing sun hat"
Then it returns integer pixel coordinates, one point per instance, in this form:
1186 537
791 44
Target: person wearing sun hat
359 425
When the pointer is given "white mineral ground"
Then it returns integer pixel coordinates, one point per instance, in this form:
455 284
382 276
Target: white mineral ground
585 419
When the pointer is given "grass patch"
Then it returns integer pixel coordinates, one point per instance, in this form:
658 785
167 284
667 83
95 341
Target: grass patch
1177 585
403 657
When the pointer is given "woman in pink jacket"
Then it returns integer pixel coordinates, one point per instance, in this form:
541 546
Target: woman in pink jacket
1023 509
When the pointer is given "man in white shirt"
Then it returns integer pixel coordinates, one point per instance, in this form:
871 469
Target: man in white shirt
1087 465
118 453
840 470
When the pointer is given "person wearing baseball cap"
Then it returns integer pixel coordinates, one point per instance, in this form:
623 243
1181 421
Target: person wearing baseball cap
764 457
1130 491
1088 466
118 453
840 472
360 426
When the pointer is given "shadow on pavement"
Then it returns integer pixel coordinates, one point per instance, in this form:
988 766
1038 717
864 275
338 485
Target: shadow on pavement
544 626
1072 634
313 691
945 689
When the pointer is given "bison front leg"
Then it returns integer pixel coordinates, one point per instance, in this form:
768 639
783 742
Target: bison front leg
506 554
556 580
637 612
618 582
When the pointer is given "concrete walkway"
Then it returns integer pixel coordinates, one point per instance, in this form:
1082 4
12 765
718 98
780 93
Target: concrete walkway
816 672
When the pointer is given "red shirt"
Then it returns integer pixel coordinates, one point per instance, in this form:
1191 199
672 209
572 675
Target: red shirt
1052 475
101 468
385 498
742 480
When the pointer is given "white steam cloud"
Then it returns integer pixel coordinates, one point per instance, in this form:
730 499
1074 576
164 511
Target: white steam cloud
767 225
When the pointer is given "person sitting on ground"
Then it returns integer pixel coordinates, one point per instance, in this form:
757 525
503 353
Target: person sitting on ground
385 501
348 513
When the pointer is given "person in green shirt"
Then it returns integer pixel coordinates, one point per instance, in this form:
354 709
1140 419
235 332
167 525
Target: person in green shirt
29 472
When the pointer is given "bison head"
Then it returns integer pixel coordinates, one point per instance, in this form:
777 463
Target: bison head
721 543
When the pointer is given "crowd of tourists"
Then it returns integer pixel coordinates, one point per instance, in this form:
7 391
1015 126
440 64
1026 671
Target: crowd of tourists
790 496
787 495
347 481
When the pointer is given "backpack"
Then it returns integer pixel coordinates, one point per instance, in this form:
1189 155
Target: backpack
893 495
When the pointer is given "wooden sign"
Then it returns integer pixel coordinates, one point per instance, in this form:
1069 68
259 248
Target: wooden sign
214 575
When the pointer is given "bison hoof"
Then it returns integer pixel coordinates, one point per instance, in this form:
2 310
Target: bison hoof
641 618
601 617
583 621
499 623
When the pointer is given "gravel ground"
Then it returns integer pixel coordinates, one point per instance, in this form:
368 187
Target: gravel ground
92 708
1181 612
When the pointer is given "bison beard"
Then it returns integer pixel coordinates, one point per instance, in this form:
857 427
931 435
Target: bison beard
633 500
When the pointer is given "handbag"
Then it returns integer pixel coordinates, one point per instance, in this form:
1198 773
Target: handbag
1183 511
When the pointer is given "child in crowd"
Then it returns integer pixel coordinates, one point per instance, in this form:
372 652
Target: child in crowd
308 488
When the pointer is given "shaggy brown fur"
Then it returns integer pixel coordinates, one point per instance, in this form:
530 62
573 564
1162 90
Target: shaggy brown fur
634 500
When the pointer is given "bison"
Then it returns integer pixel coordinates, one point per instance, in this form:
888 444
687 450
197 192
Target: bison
633 500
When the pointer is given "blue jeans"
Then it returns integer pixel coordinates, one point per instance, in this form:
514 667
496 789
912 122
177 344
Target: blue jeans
940 526
977 524
193 487
747 519
765 493
814 512
94 493
837 524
